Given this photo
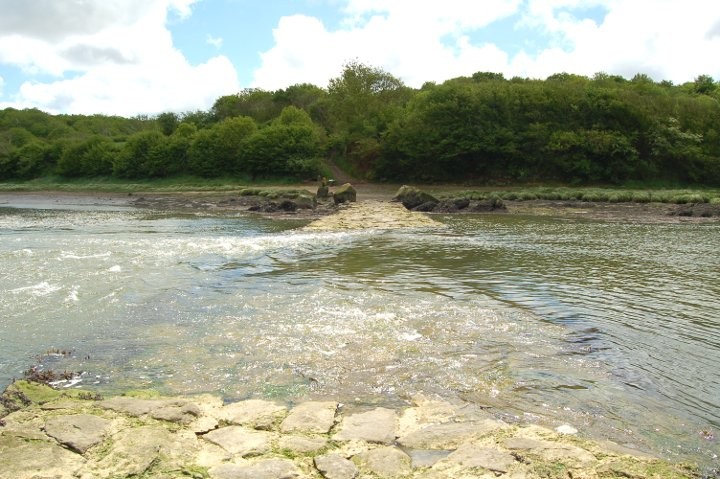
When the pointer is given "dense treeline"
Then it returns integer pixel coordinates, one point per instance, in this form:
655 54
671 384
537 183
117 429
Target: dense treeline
483 128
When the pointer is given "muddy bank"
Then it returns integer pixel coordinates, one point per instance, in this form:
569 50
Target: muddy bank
205 203
75 434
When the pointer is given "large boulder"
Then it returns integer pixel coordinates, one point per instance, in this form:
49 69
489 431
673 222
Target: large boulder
412 197
344 194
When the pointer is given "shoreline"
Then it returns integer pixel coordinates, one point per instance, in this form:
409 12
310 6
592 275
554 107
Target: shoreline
232 202
73 433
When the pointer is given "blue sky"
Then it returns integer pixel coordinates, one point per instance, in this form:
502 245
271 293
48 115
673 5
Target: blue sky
131 57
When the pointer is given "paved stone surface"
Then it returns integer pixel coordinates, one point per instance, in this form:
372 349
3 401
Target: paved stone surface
79 432
449 435
470 456
385 461
183 412
241 441
255 413
266 469
20 459
311 417
124 438
377 426
334 466
135 450
302 444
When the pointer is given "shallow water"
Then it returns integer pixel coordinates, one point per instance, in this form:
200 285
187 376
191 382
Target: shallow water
613 328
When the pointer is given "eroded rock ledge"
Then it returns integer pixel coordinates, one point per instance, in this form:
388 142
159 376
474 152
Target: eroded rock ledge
70 434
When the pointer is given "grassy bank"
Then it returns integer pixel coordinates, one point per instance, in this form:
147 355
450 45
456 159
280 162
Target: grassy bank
114 185
233 184
604 195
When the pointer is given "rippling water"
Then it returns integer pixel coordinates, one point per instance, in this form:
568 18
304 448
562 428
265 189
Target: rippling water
611 327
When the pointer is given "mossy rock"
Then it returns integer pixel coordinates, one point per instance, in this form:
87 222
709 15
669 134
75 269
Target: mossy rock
344 194
412 197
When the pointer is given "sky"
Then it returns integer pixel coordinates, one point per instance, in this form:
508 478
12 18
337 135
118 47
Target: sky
131 57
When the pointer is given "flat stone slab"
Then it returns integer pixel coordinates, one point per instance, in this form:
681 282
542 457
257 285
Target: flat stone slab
302 444
311 417
20 459
449 435
255 413
240 441
267 469
377 426
335 466
173 410
385 461
183 412
79 432
469 456
135 450
549 450
128 405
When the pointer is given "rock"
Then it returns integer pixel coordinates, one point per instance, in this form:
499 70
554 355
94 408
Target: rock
128 405
21 459
302 444
135 450
334 466
240 441
449 435
386 461
183 412
376 426
549 450
255 413
426 207
267 469
311 417
470 456
345 194
453 205
412 197
79 432
287 205
566 429
491 204
323 192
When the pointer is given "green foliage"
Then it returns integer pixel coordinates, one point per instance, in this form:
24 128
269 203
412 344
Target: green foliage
141 156
482 128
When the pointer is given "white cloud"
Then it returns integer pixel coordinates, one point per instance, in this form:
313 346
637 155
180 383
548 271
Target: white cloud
216 42
420 41
108 56
406 38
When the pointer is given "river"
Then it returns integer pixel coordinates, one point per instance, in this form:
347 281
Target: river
611 327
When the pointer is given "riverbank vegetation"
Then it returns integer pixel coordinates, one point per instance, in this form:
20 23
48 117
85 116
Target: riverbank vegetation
481 129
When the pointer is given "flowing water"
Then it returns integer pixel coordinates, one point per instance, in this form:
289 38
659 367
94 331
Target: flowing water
611 327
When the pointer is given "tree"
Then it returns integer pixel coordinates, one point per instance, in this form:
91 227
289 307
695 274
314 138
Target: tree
363 102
